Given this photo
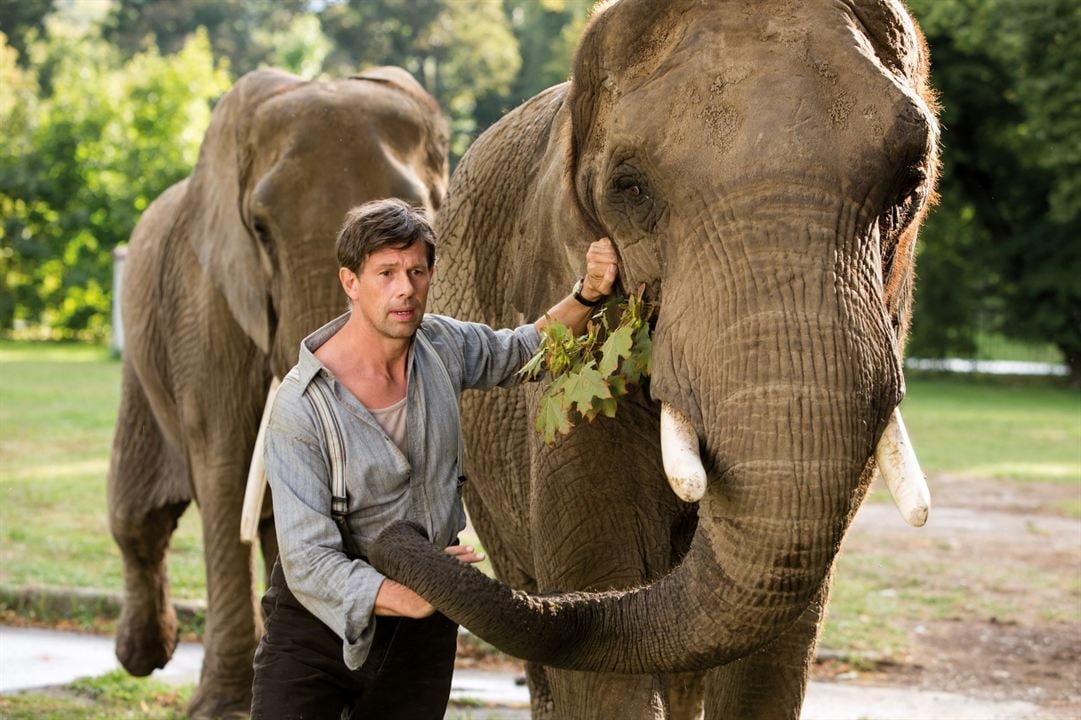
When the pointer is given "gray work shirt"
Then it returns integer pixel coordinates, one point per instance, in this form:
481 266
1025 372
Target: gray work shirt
384 485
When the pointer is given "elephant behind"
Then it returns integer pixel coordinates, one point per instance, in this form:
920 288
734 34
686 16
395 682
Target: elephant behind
763 169
227 271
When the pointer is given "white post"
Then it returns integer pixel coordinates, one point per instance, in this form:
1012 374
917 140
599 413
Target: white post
119 253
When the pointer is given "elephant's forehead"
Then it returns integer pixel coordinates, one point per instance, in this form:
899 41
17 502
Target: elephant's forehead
803 86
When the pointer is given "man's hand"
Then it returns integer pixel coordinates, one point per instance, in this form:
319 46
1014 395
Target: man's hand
396 600
601 269
601 272
464 553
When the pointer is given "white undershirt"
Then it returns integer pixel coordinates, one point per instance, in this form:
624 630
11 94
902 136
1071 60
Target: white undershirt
392 420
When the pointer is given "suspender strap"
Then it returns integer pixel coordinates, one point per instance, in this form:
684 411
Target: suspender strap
339 504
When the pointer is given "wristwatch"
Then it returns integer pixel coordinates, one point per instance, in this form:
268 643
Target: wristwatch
577 293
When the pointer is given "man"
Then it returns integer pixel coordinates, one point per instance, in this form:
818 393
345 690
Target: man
340 636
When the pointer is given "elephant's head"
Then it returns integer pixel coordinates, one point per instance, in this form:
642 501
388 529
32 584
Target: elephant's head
282 162
763 168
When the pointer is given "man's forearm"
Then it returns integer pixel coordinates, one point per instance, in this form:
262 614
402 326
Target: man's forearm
570 312
396 600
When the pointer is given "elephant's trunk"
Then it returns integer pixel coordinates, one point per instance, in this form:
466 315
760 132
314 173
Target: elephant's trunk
701 615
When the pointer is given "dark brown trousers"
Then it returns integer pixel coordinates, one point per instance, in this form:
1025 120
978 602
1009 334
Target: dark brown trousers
299 671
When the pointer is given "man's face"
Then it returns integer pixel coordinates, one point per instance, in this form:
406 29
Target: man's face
391 290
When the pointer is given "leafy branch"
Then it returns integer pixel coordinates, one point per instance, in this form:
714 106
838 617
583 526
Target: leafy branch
592 371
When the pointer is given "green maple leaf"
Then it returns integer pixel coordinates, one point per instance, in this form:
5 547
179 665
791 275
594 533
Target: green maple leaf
582 387
587 379
618 345
630 372
552 418
535 366
605 406
618 385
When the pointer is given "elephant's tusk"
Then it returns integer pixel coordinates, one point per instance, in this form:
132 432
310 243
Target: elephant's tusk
256 487
679 453
901 470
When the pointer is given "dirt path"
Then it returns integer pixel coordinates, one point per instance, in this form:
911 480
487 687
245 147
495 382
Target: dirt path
991 589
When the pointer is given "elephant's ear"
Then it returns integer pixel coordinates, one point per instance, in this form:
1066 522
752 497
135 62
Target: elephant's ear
214 206
899 252
623 42
555 231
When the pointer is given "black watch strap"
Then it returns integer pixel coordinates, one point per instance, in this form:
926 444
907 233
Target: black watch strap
577 293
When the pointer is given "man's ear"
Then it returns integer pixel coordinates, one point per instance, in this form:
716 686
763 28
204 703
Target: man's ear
350 282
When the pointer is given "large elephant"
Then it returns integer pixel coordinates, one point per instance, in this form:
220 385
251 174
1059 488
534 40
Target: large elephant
227 271
763 169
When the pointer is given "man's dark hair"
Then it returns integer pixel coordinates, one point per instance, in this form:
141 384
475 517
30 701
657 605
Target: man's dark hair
379 224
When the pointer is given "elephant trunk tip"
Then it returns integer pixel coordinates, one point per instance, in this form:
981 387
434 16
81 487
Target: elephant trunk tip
400 539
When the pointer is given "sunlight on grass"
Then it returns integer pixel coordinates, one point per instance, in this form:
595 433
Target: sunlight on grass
995 430
115 695
58 405
1046 472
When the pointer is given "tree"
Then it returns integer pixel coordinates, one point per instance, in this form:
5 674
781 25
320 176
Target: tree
80 163
1011 184
459 50
17 17
242 30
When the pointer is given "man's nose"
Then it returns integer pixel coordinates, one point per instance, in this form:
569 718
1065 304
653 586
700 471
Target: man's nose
405 285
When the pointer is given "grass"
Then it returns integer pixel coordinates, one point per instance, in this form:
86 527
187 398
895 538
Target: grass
988 429
58 405
113 696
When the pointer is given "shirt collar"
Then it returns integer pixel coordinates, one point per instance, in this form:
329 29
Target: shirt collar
308 366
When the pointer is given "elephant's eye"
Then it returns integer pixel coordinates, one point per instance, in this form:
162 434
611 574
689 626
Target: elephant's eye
630 188
630 198
263 235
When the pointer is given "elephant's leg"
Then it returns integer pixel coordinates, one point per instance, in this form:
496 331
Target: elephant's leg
148 491
769 684
684 694
602 520
221 446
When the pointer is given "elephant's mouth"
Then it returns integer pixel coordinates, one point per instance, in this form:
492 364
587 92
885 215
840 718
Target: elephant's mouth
894 458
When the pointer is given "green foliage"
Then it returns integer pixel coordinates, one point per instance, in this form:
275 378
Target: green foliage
18 17
590 375
247 32
1001 252
113 696
84 160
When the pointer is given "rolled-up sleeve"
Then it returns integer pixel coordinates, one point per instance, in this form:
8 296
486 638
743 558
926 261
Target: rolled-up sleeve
339 591
490 357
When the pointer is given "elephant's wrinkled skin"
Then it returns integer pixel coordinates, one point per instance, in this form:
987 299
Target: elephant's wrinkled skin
227 271
763 167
